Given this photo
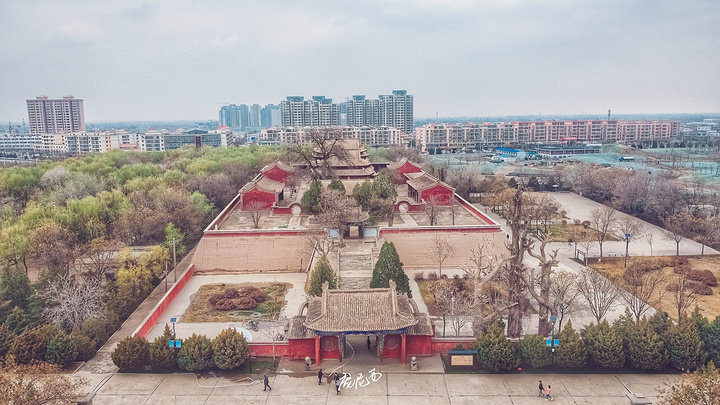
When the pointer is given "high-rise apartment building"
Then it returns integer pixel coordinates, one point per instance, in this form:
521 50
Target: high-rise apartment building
317 112
254 116
394 110
56 116
230 116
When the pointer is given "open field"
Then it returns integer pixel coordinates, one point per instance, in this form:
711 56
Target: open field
200 309
708 304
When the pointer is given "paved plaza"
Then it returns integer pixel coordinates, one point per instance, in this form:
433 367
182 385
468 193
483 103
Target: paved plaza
390 388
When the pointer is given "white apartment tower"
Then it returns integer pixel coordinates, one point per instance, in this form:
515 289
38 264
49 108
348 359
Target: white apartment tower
56 116
394 110
319 112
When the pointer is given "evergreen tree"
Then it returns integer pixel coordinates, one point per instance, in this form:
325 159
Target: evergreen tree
698 319
389 267
31 345
7 337
660 322
322 273
230 349
61 349
710 336
533 183
494 350
15 287
534 352
572 351
645 349
174 235
684 347
604 344
311 198
16 321
84 345
195 353
338 185
161 354
512 183
623 324
131 352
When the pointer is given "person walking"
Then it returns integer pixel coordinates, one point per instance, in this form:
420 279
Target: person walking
542 389
267 383
368 343
320 376
547 395
337 384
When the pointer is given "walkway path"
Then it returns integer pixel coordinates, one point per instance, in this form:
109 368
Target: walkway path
356 264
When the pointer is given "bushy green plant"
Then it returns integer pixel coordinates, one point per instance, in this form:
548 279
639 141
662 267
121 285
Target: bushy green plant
572 351
322 273
15 287
710 336
32 343
95 329
604 344
61 349
131 352
685 349
644 349
230 349
338 185
7 337
494 350
161 354
195 353
389 267
17 321
83 344
311 198
534 352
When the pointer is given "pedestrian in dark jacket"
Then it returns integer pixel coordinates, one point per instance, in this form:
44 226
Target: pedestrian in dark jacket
267 383
368 343
542 389
320 376
337 384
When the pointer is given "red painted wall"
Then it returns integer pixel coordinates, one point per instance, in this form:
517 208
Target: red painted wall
473 209
268 199
443 195
328 341
165 302
266 349
419 345
392 352
277 174
301 348
284 210
406 168
442 346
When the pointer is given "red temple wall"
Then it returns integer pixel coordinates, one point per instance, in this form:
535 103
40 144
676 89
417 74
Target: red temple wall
298 349
266 349
393 347
419 345
329 348
442 194
268 199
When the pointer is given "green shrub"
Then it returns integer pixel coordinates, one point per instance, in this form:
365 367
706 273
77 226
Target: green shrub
83 344
534 352
389 267
17 321
61 349
494 350
31 345
230 349
195 353
604 344
710 336
572 351
96 330
7 337
131 352
161 354
684 347
645 348
322 273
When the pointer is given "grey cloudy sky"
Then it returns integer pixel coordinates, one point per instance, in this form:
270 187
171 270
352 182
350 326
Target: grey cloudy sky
180 59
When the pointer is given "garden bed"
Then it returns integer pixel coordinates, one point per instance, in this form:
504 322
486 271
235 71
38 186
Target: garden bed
200 309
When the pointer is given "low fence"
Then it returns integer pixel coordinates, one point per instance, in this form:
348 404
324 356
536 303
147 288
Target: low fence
152 318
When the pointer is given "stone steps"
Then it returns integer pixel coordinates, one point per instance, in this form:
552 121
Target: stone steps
356 267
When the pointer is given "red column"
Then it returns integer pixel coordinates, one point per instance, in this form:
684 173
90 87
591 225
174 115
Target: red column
317 349
402 351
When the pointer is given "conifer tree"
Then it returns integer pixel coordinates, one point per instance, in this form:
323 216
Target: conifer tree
494 350
61 349
623 324
389 267
131 352
710 336
684 347
161 354
338 185
660 322
230 349
604 344
534 352
311 198
645 349
322 273
196 353
572 351
7 337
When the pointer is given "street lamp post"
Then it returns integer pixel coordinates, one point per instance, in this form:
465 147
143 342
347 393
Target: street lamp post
627 245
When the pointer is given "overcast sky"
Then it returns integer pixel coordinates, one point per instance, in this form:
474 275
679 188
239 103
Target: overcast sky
164 60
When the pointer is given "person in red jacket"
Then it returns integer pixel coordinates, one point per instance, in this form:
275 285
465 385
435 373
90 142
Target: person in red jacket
547 394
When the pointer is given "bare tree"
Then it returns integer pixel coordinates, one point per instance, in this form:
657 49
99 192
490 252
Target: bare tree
256 209
586 243
603 221
465 305
490 287
649 237
642 289
443 292
40 383
677 226
433 209
683 294
338 210
316 239
70 303
318 149
632 227
564 294
98 256
539 287
274 331
600 293
440 251
707 231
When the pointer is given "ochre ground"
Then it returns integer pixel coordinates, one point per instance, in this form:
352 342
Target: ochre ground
708 304
200 309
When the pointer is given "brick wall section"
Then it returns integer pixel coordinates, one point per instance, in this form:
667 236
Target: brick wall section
266 349
164 303
443 345
252 252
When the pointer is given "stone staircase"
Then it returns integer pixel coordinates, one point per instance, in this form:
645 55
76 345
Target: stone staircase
356 265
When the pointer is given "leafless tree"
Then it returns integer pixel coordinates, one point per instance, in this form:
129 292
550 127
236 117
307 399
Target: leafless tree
274 331
683 294
465 306
706 231
604 221
649 237
39 383
677 226
440 251
433 210
70 303
642 289
256 209
564 294
98 256
600 293
318 148
316 239
539 287
586 243
443 291
338 210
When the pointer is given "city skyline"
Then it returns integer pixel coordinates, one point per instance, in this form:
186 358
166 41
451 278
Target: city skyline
172 61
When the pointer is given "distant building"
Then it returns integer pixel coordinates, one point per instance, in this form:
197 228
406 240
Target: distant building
195 137
317 112
91 142
152 141
367 136
19 141
56 116
394 110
